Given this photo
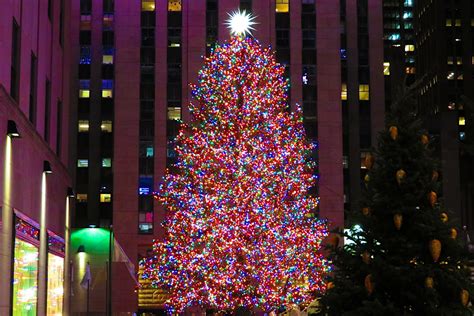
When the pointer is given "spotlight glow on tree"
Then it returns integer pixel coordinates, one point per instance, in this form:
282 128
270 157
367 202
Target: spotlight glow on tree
240 230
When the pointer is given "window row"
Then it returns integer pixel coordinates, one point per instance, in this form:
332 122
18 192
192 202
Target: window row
83 126
84 163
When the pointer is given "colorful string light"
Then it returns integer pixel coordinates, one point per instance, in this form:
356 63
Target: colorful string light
240 230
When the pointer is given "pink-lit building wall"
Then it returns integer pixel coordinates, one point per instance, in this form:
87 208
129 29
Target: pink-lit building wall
38 35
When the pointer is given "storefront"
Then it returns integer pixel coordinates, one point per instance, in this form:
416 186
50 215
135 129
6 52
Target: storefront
25 269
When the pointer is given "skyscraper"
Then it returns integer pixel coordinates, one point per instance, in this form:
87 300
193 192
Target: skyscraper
444 42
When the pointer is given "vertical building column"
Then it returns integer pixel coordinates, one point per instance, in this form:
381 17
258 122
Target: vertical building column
295 57
194 44
264 10
329 111
125 198
161 106
43 250
67 258
377 96
6 236
353 104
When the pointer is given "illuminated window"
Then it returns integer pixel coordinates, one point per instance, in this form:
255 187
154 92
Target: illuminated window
174 113
85 23
472 22
108 59
462 121
149 152
450 76
55 285
83 126
148 5
81 197
394 37
386 68
410 70
364 93
472 60
84 86
282 6
174 5
449 22
408 3
107 86
409 48
82 163
108 21
407 15
106 162
106 126
450 60
84 93
462 135
457 22
85 55
344 91
458 60
105 197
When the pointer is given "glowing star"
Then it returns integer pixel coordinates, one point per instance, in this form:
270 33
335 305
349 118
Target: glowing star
240 23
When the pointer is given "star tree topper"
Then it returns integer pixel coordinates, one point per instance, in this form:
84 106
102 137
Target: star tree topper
240 23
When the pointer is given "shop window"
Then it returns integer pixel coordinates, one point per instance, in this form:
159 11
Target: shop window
106 162
386 68
282 6
83 126
82 163
106 126
174 5
174 113
81 197
105 197
25 278
364 94
344 91
55 285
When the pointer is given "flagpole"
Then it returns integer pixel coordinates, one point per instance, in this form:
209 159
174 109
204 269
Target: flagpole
109 273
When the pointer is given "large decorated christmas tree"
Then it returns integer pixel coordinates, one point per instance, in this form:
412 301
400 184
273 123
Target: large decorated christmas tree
241 230
404 255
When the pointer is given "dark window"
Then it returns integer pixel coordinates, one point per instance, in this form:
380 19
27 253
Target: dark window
15 67
85 38
147 55
50 9
33 87
59 127
47 110
211 5
61 23
86 6
148 37
108 38
246 5
108 6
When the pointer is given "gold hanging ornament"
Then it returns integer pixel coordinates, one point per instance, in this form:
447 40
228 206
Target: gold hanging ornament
393 130
429 282
397 220
366 211
434 176
365 257
464 297
432 198
369 284
330 285
369 161
366 180
443 217
400 176
425 139
453 233
435 249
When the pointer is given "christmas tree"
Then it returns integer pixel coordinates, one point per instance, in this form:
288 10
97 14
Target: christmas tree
403 255
241 231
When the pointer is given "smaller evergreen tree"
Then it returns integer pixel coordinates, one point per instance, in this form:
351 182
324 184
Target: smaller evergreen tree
405 257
